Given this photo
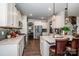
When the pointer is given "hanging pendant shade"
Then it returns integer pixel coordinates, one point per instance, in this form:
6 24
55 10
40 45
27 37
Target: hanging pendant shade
66 11
66 14
53 8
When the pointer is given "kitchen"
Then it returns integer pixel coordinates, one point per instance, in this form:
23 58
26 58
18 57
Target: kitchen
21 23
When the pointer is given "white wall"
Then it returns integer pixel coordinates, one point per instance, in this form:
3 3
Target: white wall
24 27
43 23
24 22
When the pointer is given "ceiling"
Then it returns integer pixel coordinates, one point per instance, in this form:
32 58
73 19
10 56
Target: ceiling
40 10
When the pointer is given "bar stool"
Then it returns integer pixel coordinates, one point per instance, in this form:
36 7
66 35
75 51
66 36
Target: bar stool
73 49
59 48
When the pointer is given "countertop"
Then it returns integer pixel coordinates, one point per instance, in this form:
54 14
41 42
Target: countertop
11 40
51 39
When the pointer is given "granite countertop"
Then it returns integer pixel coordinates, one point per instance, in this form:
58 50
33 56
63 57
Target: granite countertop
51 39
11 40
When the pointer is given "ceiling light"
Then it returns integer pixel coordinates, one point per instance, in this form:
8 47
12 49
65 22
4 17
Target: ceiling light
49 9
54 15
30 14
66 14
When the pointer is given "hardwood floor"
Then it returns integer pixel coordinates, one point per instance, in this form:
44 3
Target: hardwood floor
32 48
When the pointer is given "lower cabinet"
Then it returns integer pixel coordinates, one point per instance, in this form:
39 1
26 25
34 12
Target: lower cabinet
21 47
44 47
8 50
12 48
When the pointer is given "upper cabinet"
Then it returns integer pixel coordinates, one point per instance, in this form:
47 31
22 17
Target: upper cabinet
9 15
3 14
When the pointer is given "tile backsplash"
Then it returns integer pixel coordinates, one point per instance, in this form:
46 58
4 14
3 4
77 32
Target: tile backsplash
3 33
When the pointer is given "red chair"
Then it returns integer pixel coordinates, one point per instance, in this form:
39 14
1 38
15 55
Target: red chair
60 47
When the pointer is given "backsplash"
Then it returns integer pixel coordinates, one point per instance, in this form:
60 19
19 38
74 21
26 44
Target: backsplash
3 33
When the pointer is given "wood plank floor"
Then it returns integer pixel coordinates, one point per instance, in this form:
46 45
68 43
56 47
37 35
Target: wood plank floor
32 48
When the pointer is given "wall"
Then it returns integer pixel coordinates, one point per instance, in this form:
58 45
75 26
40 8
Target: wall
24 22
43 23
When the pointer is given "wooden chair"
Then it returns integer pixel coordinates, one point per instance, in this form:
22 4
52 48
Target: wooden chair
73 49
60 47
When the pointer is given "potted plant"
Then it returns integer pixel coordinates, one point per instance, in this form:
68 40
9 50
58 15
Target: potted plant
66 29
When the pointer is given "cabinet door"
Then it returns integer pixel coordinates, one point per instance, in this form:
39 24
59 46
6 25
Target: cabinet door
42 46
3 14
12 15
9 14
16 18
21 46
46 48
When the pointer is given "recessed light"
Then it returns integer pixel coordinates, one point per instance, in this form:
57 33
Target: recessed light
49 9
30 14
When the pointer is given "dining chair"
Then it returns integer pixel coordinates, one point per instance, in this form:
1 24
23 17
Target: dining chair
73 49
59 48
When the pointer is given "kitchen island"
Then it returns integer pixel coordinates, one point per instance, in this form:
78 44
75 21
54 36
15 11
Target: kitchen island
46 42
12 46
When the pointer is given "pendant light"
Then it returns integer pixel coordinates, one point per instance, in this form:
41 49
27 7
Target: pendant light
54 15
53 19
66 14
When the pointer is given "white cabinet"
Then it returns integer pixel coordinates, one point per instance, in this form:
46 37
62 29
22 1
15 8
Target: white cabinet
9 15
5 14
13 15
21 47
12 47
41 46
8 50
44 47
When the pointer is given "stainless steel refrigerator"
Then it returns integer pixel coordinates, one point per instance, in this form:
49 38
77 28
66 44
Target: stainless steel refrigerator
37 31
